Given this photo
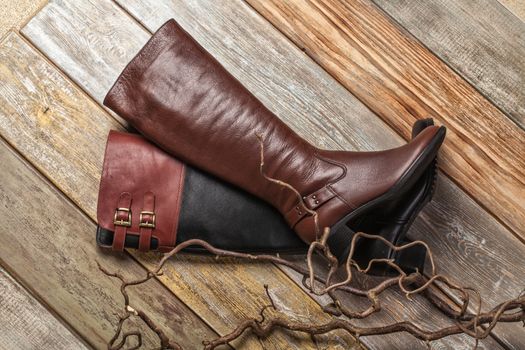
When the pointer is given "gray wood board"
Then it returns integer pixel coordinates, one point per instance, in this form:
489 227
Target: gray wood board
481 40
27 324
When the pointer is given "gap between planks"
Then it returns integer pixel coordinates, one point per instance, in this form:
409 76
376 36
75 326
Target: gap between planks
451 66
27 323
515 7
27 287
31 293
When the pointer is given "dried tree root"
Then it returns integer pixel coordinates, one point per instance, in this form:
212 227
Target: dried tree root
465 322
129 311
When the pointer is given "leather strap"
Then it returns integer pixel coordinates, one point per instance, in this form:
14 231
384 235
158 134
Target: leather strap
319 197
295 214
122 221
147 221
312 202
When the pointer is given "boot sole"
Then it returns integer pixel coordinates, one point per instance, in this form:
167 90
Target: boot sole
413 258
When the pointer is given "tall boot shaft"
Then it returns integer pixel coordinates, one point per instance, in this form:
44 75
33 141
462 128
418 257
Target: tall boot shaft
179 96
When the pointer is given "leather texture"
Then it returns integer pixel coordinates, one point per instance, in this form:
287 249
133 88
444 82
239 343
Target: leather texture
230 218
179 96
391 218
139 175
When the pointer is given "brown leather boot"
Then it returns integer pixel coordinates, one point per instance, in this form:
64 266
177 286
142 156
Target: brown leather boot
180 97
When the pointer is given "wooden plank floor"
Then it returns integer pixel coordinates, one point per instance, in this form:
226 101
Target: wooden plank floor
478 39
56 72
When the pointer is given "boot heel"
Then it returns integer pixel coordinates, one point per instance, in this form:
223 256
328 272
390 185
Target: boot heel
421 125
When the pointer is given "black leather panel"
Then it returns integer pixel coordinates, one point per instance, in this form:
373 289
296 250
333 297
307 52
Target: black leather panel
230 218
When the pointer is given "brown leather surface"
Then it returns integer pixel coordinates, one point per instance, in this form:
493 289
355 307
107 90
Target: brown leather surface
153 181
179 96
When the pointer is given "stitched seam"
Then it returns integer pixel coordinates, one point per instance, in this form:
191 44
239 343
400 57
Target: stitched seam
333 162
329 185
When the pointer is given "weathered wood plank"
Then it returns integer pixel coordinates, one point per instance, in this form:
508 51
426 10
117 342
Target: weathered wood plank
47 242
476 250
480 39
234 34
226 300
86 160
26 324
517 7
120 37
16 13
401 80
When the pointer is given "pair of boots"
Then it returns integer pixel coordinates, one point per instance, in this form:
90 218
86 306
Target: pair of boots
179 97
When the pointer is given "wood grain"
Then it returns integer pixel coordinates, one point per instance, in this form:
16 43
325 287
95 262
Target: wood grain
120 36
401 81
86 159
311 102
26 324
396 308
481 40
476 250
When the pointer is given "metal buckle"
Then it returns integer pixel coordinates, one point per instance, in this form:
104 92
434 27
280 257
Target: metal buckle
121 222
147 223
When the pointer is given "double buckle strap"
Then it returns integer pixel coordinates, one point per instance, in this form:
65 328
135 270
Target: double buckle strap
122 222
145 222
